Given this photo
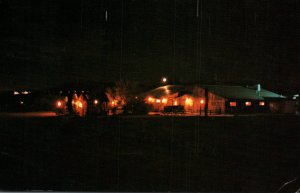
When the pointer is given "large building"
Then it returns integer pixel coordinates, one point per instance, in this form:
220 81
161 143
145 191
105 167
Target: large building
216 99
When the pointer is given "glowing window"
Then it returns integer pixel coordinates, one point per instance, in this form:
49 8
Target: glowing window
248 104
164 100
158 101
175 103
261 103
189 102
232 104
151 100
201 101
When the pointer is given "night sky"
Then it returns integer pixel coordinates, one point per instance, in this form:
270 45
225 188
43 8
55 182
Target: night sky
46 43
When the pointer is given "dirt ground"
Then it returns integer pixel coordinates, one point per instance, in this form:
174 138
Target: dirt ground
149 153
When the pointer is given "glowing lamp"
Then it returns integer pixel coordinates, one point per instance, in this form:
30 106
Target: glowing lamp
164 100
80 104
232 104
248 104
96 101
150 99
58 104
261 103
189 102
158 100
201 101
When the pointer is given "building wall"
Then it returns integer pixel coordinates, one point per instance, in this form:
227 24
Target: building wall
192 103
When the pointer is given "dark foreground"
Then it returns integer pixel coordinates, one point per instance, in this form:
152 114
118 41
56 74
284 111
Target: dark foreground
149 153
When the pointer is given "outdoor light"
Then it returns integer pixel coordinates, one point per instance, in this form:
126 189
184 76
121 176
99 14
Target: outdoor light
201 101
175 103
164 100
80 104
188 101
59 104
157 100
150 99
96 101
261 103
21 102
164 79
248 103
25 92
232 104
16 93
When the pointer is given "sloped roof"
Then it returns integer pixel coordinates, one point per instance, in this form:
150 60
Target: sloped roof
225 91
170 89
241 92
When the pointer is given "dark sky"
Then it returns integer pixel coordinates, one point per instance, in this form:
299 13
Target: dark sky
49 42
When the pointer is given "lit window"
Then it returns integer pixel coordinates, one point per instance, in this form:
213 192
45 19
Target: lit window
189 102
201 101
261 103
232 104
248 104
175 103
164 100
157 100
151 100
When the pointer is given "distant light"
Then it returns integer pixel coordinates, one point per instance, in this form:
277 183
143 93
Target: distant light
158 100
164 80
21 102
80 104
136 97
175 103
201 101
232 104
58 104
164 100
248 104
188 102
151 100
96 101
16 93
25 92
261 103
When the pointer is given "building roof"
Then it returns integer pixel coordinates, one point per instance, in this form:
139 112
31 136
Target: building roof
225 91
241 92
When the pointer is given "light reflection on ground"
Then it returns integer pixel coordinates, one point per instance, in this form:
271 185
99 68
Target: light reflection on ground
28 114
